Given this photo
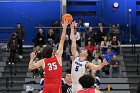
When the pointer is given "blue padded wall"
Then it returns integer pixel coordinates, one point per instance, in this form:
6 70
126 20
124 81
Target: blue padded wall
30 14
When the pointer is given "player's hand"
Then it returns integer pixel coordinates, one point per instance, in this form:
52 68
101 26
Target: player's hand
105 62
32 55
65 24
72 25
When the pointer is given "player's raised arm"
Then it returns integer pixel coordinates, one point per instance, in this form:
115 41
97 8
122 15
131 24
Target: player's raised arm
91 66
59 52
73 41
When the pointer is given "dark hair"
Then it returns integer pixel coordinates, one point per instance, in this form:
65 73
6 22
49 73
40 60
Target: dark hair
80 19
90 42
89 57
20 25
86 81
13 34
47 51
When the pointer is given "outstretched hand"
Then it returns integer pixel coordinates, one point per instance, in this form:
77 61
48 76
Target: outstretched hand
105 62
65 24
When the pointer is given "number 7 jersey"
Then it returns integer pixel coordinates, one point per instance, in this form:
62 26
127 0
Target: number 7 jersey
53 70
78 70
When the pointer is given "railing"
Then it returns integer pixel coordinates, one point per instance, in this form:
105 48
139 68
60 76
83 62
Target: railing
69 27
135 55
5 33
137 65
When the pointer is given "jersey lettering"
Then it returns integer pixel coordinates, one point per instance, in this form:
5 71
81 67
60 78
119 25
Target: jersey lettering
76 69
52 66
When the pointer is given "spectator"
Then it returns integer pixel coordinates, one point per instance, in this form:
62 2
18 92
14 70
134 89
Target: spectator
97 80
115 66
41 84
80 24
97 48
57 31
99 53
66 88
114 30
37 50
97 61
109 54
80 30
20 37
87 83
51 37
89 36
90 46
29 89
40 38
12 46
77 36
115 45
104 44
37 72
101 34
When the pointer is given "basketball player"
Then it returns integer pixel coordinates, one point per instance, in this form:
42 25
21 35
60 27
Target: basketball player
87 83
79 63
52 64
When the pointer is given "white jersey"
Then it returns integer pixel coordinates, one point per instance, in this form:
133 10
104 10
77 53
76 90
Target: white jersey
77 71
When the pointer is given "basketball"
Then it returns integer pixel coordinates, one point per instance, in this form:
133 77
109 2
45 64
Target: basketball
67 17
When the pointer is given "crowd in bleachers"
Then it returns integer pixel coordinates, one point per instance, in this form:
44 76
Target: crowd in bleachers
101 44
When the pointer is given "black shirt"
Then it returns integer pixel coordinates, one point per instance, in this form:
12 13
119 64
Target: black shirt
100 35
115 63
20 34
66 89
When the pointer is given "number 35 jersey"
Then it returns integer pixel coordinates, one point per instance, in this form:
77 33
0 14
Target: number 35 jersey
78 70
53 71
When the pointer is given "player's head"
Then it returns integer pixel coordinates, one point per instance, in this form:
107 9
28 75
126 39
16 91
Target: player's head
86 53
68 78
47 51
86 81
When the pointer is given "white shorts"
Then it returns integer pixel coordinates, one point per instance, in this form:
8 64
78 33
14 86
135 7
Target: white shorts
76 87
